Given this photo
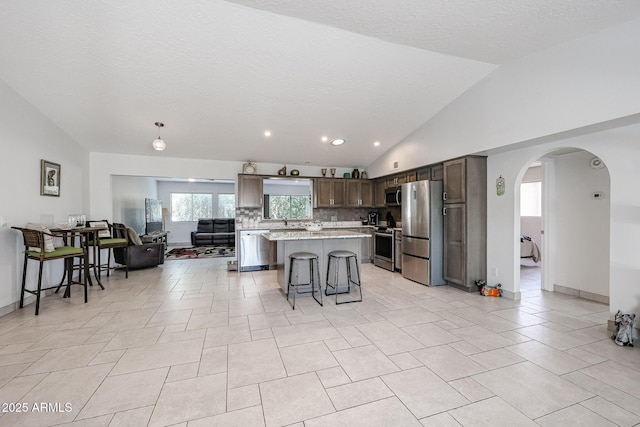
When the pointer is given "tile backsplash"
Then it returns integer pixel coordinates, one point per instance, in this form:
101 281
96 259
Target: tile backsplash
327 214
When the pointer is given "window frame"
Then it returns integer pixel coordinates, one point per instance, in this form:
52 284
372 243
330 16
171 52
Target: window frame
308 204
526 198
233 205
171 195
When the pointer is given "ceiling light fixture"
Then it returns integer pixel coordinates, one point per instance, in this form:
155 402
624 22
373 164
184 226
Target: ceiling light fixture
267 133
324 139
377 143
158 143
337 141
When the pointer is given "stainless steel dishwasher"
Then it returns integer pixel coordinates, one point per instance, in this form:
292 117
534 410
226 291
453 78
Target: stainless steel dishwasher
256 252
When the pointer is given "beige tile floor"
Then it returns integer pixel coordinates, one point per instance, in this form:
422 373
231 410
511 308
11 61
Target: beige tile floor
189 343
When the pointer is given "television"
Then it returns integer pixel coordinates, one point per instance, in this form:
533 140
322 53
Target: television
153 215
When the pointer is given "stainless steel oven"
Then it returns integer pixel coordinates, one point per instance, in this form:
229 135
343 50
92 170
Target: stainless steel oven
383 246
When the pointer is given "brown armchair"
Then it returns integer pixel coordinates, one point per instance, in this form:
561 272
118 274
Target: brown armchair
137 254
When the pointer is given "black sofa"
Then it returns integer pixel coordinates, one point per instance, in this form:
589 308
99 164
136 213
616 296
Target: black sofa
215 232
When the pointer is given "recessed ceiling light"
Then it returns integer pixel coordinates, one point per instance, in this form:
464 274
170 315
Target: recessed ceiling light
325 139
191 179
337 141
267 133
377 143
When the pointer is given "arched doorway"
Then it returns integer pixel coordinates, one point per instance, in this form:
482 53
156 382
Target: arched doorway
574 225
531 228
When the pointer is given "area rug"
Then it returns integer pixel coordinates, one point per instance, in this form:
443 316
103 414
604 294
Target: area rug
200 252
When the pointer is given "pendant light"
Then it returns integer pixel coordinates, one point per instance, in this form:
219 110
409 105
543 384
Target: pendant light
158 143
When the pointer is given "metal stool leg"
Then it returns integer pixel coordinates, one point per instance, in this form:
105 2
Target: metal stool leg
289 283
109 260
337 278
24 279
359 283
39 289
295 289
315 271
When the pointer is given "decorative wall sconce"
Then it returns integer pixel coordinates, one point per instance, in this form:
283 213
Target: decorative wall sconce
500 186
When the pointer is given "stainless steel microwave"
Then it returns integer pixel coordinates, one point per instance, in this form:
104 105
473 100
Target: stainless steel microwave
393 196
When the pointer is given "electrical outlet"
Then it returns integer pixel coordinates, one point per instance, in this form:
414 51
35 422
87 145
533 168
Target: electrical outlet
494 271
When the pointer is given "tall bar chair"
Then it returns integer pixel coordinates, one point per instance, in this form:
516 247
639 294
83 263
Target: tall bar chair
36 250
113 236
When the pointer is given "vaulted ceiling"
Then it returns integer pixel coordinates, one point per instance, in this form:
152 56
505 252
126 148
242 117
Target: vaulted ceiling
221 73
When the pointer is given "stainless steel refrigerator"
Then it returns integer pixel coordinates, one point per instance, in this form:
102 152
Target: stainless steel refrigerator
422 232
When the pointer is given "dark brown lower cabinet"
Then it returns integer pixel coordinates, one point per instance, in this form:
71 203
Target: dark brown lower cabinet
454 244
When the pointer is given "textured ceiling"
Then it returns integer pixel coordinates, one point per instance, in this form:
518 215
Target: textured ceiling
219 73
494 31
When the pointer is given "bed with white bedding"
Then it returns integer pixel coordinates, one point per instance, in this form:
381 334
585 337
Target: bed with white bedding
529 248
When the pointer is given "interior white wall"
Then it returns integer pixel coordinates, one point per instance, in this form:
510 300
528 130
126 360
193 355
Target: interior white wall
618 148
105 165
582 233
533 174
588 80
129 193
26 137
180 232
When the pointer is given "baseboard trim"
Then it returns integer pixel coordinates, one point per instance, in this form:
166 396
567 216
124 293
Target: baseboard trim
9 308
516 296
581 294
28 300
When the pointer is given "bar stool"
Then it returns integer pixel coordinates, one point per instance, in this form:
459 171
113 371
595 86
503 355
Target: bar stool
334 260
296 258
111 236
35 249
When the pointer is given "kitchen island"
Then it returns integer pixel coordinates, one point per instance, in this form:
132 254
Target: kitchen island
317 242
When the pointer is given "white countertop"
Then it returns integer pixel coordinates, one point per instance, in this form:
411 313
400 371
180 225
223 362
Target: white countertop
314 235
298 225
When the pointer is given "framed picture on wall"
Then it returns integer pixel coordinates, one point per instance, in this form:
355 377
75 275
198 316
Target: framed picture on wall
49 178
